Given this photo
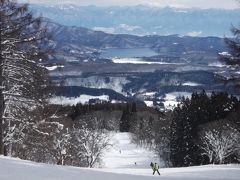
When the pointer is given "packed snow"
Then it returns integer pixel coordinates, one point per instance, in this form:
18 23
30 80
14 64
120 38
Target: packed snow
83 99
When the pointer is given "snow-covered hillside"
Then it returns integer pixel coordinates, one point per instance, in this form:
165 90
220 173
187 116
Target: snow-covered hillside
98 82
119 164
15 169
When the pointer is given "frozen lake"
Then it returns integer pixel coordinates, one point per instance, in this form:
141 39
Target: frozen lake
128 52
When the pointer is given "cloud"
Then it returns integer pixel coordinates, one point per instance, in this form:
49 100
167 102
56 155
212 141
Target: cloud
226 4
194 33
128 27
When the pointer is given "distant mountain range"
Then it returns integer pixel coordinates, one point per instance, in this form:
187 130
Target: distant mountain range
183 64
191 65
143 20
77 44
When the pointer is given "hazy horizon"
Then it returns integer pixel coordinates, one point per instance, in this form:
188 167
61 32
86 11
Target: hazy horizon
203 4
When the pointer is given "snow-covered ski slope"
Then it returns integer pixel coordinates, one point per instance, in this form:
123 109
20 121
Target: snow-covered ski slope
15 169
124 154
117 166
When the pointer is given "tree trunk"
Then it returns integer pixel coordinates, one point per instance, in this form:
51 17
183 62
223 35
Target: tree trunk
1 119
1 108
1 91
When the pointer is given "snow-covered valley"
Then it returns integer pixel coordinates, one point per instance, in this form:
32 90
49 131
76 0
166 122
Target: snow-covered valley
80 103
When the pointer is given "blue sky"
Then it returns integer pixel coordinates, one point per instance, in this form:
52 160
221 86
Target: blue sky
225 4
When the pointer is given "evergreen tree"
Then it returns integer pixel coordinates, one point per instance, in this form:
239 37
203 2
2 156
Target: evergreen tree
125 120
176 139
233 57
188 116
24 45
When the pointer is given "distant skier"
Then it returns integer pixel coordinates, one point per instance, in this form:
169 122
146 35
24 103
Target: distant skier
155 167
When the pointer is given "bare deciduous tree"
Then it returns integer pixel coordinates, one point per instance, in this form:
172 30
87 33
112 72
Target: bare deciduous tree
61 144
89 145
219 141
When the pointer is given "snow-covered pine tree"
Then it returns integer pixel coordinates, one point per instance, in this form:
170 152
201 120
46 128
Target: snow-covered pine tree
125 119
176 137
232 58
23 80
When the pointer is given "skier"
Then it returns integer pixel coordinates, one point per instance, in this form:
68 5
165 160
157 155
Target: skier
155 168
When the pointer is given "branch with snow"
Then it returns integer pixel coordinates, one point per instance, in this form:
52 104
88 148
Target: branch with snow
219 142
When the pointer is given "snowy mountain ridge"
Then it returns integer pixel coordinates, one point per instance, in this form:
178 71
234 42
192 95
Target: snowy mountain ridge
143 20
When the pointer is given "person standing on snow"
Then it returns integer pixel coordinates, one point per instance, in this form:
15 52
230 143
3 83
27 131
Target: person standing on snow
155 168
